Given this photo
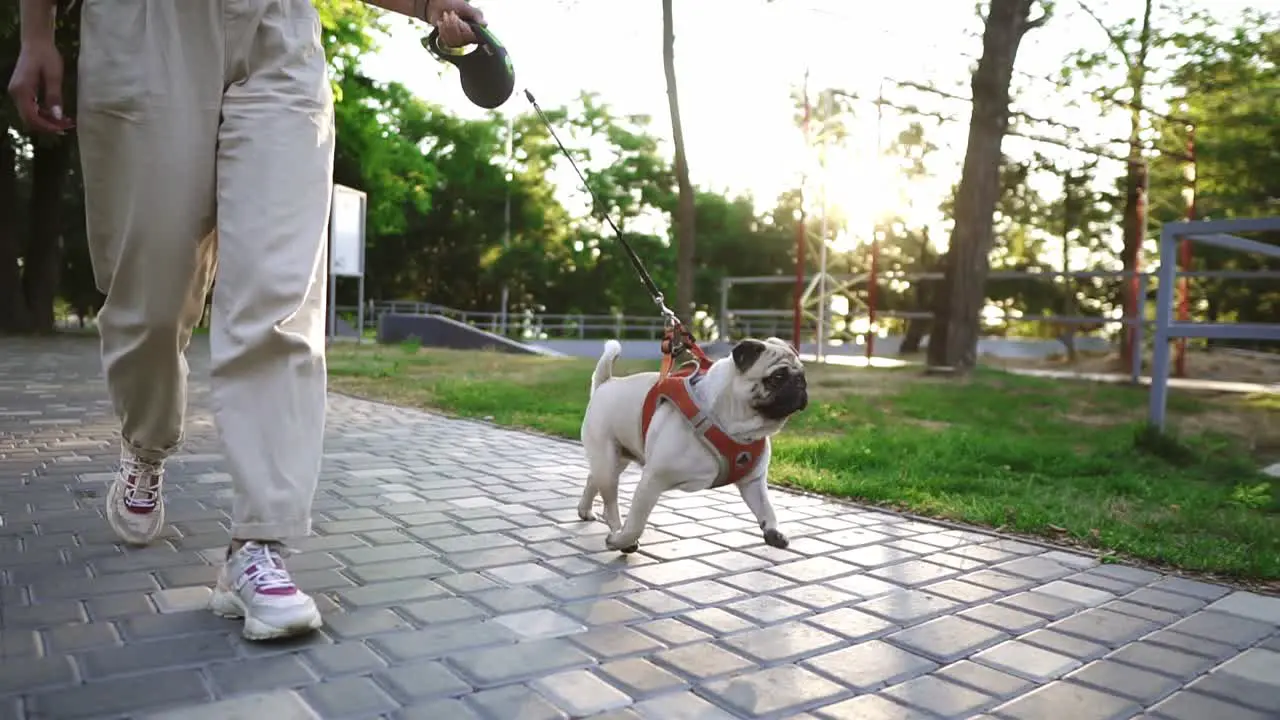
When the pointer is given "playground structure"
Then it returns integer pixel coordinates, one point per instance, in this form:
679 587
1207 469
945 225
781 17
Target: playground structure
1210 232
810 314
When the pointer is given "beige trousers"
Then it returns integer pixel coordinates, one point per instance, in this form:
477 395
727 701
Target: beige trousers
206 141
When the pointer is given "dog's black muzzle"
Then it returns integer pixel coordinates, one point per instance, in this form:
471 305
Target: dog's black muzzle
788 399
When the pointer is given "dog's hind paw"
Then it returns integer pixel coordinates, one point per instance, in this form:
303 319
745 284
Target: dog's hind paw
773 538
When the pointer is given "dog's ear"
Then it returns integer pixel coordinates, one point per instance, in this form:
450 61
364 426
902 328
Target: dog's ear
746 353
782 344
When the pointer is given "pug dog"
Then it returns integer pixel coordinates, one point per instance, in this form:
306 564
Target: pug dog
750 395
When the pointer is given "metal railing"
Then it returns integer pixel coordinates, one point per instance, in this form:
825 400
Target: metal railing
1133 320
1208 232
521 326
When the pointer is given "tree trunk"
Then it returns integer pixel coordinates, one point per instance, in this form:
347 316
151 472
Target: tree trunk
1132 223
685 211
43 259
953 343
13 305
1071 209
917 328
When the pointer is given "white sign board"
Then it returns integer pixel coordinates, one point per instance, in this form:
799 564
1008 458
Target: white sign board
346 232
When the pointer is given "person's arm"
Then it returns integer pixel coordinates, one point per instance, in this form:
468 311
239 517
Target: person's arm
450 17
36 84
416 9
37 17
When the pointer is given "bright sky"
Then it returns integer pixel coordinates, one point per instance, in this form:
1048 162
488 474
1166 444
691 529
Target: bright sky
737 62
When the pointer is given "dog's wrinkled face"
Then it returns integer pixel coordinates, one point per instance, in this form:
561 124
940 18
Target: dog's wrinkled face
774 377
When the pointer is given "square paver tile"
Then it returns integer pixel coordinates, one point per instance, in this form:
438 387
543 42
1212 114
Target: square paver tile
1256 696
985 680
580 693
1225 628
1257 664
960 591
870 665
1035 568
1189 705
871 707
1029 661
542 623
852 623
765 609
1068 645
1037 603
1067 701
1262 608
947 639
673 632
938 696
680 705
1104 627
913 572
1010 620
776 690
1164 660
1164 600
615 641
814 569
640 678
787 642
703 661
1141 686
511 663
906 607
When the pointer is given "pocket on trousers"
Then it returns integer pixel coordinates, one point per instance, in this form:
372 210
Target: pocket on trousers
307 61
115 56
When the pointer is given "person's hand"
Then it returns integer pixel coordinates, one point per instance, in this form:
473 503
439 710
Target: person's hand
452 18
36 88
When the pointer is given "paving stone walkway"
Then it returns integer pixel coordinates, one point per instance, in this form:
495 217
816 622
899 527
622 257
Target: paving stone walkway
458 583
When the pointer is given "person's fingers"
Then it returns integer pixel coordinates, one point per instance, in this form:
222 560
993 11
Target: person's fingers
24 96
473 14
454 31
52 77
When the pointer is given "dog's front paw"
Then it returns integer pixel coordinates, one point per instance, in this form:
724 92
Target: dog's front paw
773 538
614 542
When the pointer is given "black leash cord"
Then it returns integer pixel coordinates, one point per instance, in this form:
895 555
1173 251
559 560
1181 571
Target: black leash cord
595 205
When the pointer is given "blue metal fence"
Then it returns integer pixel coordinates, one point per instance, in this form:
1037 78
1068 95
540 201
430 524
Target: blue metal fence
1207 232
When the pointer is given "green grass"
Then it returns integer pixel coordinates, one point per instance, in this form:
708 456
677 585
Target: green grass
1070 461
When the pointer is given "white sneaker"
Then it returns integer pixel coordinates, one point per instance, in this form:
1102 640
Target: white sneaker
255 585
135 503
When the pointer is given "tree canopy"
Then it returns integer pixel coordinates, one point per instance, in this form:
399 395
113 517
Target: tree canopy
439 189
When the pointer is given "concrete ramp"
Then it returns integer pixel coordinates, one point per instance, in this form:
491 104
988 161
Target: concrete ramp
442 332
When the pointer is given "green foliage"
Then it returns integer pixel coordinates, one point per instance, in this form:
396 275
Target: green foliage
1227 83
439 192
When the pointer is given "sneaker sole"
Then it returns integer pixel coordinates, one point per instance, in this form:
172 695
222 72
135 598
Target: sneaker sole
122 531
228 605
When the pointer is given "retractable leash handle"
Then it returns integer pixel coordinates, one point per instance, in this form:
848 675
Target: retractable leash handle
487 75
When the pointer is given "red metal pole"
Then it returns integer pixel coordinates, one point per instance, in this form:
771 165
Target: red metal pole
797 314
872 285
1184 260
798 300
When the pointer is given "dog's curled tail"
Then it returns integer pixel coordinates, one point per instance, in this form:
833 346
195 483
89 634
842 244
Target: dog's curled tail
604 368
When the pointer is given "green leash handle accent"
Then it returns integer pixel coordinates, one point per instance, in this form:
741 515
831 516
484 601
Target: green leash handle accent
486 73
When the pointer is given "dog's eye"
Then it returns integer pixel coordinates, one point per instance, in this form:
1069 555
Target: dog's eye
776 377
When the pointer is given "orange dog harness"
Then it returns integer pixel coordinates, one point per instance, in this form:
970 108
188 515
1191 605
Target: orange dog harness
736 459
